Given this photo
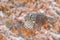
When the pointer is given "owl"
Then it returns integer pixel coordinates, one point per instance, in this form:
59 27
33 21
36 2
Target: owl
35 20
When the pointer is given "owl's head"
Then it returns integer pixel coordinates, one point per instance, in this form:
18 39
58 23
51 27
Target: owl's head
30 16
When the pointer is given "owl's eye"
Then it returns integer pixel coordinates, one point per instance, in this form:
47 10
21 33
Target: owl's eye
31 15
